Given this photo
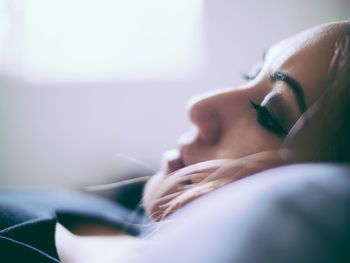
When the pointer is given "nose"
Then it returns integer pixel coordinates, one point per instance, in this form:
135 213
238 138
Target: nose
213 112
204 113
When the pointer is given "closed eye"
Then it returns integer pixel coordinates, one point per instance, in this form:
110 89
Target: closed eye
256 69
265 119
253 75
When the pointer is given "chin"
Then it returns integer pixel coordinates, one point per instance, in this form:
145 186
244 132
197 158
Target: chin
150 192
221 171
169 181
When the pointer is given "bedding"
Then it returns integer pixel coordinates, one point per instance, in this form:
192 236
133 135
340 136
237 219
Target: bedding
28 219
298 213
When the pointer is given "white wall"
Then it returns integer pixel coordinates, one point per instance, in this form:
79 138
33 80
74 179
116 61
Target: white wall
70 132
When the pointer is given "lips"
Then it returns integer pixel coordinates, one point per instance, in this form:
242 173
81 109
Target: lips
173 161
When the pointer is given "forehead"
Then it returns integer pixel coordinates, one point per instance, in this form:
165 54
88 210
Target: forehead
306 58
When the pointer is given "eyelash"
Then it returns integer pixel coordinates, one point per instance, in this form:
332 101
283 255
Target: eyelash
252 76
249 77
265 119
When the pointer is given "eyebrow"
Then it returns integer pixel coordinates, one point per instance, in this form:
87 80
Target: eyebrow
293 85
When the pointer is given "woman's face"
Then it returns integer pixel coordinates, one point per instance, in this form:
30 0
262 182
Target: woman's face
237 122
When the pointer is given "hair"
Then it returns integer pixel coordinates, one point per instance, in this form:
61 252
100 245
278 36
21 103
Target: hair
337 104
326 118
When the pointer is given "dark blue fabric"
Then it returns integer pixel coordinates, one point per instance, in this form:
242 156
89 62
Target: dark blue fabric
28 219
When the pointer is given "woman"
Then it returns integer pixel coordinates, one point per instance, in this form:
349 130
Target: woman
292 110
287 112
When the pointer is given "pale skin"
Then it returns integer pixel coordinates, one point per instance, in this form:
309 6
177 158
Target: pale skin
227 125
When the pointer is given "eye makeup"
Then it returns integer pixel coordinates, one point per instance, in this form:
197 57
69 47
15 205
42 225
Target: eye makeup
293 85
282 106
265 119
254 72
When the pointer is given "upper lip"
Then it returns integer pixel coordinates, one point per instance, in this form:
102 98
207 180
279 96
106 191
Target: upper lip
181 158
174 160
187 140
182 155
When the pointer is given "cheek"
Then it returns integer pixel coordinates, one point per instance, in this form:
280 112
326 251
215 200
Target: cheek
242 136
245 137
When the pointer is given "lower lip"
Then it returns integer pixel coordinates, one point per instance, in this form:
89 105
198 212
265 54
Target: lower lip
173 161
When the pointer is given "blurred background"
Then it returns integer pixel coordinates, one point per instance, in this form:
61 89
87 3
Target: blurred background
88 86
